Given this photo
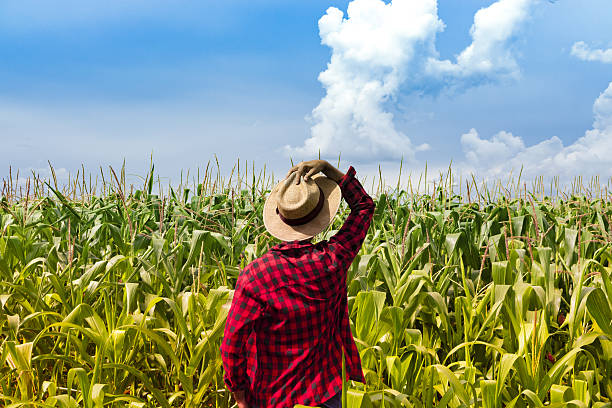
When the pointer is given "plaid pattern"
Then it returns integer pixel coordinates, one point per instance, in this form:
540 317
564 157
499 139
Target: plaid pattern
288 321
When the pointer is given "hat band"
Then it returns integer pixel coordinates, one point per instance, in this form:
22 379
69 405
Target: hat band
308 217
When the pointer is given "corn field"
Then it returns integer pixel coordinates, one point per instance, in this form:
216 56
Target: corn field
116 295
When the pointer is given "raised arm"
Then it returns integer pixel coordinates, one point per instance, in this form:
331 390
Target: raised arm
350 237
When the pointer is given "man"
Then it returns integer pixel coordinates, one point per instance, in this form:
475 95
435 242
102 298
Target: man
293 299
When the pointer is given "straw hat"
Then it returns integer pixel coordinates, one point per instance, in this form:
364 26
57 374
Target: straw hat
300 211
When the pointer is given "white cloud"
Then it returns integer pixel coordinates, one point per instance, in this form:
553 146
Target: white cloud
381 46
602 108
423 147
500 148
581 50
489 53
589 155
372 50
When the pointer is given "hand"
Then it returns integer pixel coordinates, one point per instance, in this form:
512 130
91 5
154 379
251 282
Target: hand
240 399
308 169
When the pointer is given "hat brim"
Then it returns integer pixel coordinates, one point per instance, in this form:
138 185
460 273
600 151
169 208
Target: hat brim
284 232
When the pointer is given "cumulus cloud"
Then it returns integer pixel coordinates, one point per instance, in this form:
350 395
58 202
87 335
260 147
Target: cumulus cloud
489 53
371 53
499 149
581 50
504 152
380 47
587 156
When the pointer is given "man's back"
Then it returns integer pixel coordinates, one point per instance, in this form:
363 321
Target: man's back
293 301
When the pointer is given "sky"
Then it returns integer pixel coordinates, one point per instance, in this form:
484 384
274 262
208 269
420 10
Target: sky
491 86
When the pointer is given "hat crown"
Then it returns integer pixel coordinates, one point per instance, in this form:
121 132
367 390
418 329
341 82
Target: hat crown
297 200
312 216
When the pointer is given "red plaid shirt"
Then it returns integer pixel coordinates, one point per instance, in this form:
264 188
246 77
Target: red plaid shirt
289 321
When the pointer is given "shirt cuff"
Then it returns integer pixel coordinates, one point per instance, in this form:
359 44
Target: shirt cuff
348 176
234 387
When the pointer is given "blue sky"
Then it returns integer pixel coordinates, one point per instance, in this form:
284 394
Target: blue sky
95 83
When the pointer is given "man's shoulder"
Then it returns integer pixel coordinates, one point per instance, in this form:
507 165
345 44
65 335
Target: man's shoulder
258 266
258 276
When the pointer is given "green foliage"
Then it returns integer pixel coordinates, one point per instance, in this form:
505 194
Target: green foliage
120 299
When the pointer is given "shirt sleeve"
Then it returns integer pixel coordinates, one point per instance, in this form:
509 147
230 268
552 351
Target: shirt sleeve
350 237
245 310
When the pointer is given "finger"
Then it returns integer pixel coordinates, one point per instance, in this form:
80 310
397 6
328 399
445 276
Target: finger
291 170
301 171
312 172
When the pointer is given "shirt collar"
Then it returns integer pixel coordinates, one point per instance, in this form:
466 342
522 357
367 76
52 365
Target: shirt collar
292 245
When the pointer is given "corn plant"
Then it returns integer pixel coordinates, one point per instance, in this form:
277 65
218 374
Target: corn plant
116 295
